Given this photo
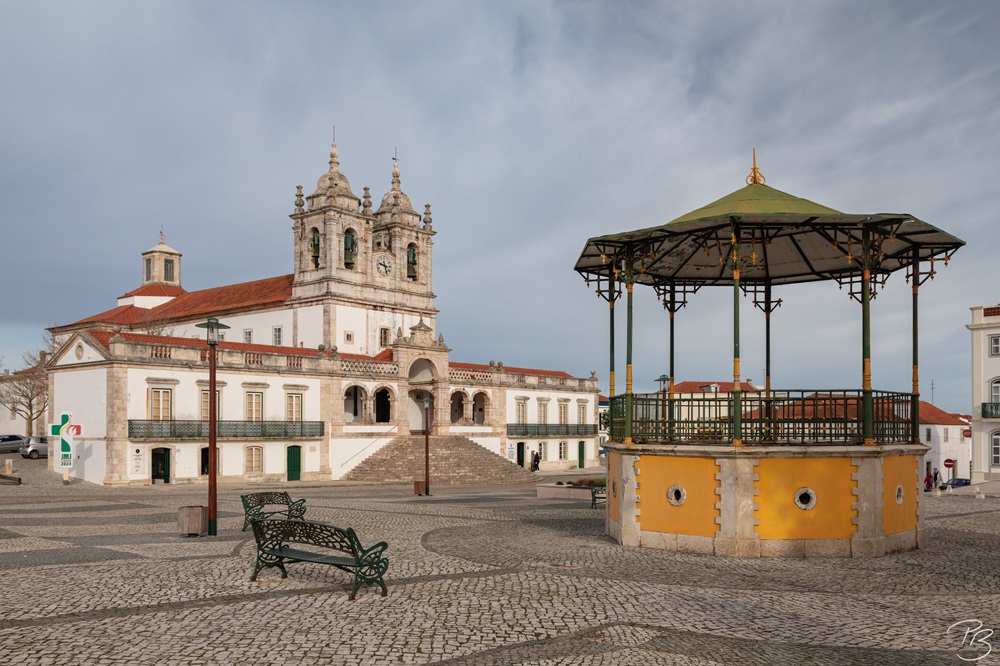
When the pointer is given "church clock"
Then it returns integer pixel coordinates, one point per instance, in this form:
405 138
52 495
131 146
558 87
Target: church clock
384 265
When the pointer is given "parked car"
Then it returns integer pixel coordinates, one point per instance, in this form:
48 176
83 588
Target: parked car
954 483
33 447
11 443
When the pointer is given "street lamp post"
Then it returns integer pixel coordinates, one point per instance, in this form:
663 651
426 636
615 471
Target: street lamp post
212 327
427 446
663 380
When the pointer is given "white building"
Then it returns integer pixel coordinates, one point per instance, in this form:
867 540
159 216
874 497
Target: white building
319 369
985 328
950 441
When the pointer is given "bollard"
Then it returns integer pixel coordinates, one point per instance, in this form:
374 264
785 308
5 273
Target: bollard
9 466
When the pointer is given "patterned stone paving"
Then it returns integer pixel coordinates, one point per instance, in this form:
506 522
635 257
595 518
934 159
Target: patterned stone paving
484 575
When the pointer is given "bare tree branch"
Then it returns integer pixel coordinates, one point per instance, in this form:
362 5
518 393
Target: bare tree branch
26 392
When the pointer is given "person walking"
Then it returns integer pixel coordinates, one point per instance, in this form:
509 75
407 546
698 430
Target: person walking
937 477
928 483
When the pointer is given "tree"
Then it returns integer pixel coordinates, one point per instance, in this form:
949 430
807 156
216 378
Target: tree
26 392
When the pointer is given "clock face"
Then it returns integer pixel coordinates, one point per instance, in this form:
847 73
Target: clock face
384 265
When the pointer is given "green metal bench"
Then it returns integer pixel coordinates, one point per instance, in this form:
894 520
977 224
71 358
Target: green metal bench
278 541
254 506
598 494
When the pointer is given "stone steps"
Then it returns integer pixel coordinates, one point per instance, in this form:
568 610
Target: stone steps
453 460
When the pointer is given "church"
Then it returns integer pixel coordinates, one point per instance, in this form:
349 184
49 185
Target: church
319 372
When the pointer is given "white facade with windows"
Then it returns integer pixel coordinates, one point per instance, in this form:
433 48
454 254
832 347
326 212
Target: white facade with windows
321 368
985 328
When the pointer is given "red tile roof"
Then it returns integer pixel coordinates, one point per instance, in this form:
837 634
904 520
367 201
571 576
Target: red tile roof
510 369
703 387
156 290
931 415
123 315
270 291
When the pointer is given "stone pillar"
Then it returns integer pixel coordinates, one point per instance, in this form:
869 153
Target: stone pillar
116 441
627 488
868 539
738 501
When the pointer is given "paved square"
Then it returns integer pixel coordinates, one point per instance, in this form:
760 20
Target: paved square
486 575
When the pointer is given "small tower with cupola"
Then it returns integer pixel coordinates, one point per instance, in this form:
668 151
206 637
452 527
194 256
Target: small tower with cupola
161 265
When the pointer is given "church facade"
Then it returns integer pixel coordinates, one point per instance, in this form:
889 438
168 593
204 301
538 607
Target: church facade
317 371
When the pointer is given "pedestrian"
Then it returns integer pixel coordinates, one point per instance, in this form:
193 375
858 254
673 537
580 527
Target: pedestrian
536 458
937 477
928 483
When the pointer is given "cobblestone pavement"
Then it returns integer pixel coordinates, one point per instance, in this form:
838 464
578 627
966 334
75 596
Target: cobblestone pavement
484 575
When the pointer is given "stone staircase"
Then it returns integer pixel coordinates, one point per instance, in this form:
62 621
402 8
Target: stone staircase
454 460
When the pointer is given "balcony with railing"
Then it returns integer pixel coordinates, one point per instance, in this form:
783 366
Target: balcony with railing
141 429
551 429
798 417
991 410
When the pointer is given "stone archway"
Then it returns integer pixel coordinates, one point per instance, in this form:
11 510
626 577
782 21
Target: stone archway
422 376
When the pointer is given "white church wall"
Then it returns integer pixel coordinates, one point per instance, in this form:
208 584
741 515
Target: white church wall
352 325
83 393
309 324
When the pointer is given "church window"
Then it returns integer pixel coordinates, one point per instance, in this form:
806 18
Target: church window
168 270
411 261
383 337
159 404
293 407
348 338
563 450
248 335
149 269
255 406
543 413
254 459
276 336
581 413
563 414
543 450
314 247
350 249
521 415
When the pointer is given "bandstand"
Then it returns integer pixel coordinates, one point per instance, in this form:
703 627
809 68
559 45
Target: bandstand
779 472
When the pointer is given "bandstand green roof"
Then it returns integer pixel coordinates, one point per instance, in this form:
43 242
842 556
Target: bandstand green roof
778 239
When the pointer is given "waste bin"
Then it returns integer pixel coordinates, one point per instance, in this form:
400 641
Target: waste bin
419 488
193 520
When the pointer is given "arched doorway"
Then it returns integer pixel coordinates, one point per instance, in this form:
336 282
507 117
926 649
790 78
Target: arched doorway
479 402
383 406
354 404
457 406
422 377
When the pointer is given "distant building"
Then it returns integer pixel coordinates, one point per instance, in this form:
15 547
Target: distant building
985 328
950 440
319 369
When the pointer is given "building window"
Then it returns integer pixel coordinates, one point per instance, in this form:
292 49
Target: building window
168 270
204 405
995 345
945 431
543 413
563 414
276 336
928 438
383 337
254 460
995 391
563 450
255 406
348 338
996 449
543 450
522 412
350 248
248 335
149 269
159 404
581 413
411 262
293 407
314 247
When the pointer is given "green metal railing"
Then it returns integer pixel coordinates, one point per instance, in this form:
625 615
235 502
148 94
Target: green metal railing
991 410
551 430
228 429
793 417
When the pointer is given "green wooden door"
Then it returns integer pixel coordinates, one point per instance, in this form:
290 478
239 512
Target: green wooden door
581 454
294 462
520 454
166 465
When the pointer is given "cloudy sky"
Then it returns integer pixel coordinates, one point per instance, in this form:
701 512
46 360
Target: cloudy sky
529 127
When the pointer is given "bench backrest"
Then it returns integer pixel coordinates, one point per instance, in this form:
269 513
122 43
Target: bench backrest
260 499
275 533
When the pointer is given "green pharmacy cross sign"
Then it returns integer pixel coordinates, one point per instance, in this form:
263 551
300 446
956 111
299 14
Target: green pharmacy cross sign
66 431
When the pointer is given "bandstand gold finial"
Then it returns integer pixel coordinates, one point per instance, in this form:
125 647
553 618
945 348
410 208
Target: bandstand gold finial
755 177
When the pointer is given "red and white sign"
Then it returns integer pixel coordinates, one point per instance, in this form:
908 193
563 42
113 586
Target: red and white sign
949 463
967 432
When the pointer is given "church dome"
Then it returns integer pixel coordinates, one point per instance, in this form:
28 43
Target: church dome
333 188
395 200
